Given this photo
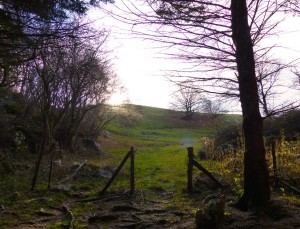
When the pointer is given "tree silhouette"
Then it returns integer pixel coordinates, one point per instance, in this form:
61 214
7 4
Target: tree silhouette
26 25
222 44
187 99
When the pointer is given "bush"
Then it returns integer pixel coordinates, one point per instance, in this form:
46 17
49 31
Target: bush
229 135
6 131
289 122
20 130
129 115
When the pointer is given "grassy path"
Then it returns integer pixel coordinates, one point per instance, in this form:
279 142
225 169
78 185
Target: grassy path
161 140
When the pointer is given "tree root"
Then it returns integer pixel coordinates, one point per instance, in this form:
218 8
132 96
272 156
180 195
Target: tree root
70 214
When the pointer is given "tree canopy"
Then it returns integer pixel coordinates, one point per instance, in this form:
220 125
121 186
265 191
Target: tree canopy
26 25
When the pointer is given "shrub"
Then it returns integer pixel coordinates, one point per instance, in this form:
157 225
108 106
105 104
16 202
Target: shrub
289 122
129 115
6 131
209 147
229 135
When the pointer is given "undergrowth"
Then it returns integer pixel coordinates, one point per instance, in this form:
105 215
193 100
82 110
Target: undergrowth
230 163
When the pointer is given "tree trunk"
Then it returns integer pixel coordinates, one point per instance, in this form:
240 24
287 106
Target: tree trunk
45 141
39 159
256 176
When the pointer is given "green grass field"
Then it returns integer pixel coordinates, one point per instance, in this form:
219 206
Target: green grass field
160 139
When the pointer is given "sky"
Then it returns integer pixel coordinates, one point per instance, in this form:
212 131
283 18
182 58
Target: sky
139 69
136 63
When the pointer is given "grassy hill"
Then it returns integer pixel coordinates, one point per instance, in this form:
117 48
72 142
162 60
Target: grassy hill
161 139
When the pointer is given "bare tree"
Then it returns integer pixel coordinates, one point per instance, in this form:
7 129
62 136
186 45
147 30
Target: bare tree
187 99
96 120
44 89
88 88
296 81
221 42
202 48
66 80
212 107
271 88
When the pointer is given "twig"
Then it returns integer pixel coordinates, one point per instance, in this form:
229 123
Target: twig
72 176
98 199
135 216
68 211
142 196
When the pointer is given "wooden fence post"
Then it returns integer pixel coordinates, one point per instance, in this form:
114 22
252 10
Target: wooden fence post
274 163
132 171
190 169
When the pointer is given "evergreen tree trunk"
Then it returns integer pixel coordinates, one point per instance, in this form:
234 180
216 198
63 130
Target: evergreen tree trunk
256 176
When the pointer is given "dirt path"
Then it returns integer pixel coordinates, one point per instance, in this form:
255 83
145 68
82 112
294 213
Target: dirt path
153 210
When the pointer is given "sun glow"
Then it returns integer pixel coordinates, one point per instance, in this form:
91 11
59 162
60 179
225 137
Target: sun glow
136 64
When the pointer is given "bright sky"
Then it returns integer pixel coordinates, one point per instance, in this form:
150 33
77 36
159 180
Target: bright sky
136 64
141 73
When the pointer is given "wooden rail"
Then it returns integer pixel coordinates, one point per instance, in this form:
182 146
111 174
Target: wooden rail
132 183
191 163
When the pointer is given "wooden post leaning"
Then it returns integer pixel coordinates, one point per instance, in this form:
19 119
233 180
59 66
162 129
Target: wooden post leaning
191 163
207 173
130 153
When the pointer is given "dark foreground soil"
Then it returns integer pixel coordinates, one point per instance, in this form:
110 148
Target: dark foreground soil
158 209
